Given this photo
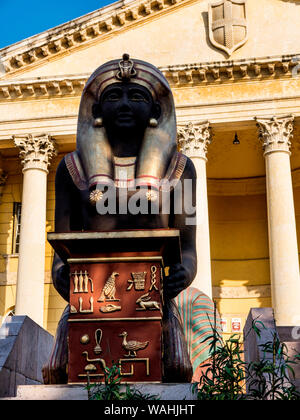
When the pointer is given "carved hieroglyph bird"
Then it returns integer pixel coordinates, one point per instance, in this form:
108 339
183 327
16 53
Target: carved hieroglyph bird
109 289
132 346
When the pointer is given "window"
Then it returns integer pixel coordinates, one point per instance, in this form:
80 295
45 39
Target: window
16 227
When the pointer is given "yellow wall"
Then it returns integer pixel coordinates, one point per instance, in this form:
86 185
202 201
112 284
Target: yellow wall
239 254
239 249
238 230
8 267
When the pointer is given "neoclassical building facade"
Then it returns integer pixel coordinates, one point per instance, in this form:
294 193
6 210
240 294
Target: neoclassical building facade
234 69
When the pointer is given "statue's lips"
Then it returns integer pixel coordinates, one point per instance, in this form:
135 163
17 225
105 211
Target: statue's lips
125 117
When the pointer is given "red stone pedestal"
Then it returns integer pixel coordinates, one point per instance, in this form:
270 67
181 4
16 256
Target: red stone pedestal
116 301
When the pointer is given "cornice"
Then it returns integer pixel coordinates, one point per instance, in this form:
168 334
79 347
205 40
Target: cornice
185 75
80 31
256 68
42 88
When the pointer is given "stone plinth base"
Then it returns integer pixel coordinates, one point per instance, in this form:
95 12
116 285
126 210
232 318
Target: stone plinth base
24 349
169 392
254 343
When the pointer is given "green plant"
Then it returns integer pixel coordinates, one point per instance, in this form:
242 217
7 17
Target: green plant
270 378
228 376
225 375
111 389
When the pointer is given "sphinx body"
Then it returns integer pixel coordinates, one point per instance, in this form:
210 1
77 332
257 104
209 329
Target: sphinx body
126 141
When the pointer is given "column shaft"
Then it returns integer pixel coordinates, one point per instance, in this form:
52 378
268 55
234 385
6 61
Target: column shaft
276 133
35 152
203 277
283 245
31 268
193 140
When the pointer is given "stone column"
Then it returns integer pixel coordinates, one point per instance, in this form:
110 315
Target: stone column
276 134
193 141
35 153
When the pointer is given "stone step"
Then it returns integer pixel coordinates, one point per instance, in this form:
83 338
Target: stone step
167 392
24 349
297 384
293 349
290 336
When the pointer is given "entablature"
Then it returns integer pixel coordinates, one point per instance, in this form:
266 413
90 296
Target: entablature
188 75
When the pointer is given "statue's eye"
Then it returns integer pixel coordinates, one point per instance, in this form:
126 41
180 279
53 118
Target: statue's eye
112 96
138 97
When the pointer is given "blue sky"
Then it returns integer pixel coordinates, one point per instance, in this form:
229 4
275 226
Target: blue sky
21 19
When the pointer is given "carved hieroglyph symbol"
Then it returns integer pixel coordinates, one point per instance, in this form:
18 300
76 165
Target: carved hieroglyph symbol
227 21
81 280
131 373
86 311
85 339
90 367
153 278
138 280
109 289
110 308
132 346
73 310
145 303
98 338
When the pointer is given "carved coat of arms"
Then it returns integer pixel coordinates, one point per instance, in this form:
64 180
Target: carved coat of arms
228 29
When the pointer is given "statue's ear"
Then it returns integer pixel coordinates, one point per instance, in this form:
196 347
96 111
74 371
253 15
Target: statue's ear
156 111
96 110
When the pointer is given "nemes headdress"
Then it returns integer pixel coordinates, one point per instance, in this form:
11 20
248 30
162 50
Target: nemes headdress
159 143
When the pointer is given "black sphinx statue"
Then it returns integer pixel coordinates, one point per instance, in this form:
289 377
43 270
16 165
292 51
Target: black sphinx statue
127 120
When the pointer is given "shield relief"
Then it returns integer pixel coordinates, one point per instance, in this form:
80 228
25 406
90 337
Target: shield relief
228 29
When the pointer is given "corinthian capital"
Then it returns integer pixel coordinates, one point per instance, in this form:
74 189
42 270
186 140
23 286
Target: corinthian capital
193 139
36 151
276 133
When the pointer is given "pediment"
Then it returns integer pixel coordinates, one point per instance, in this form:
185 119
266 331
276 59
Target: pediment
164 32
86 32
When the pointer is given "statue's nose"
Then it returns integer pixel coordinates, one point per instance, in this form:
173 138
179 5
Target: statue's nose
124 103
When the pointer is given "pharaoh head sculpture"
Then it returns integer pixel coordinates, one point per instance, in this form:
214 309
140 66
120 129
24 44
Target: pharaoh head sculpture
159 138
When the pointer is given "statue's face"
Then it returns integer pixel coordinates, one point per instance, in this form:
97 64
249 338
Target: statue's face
126 106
